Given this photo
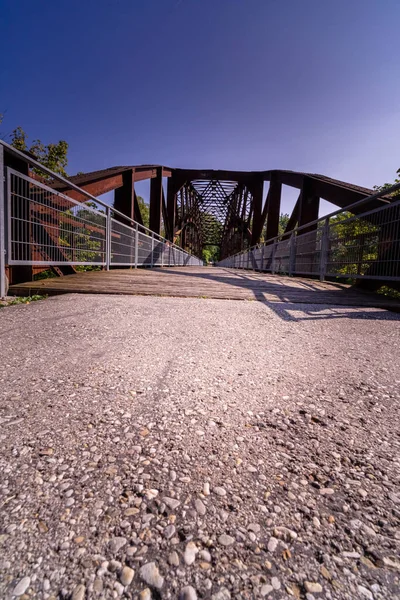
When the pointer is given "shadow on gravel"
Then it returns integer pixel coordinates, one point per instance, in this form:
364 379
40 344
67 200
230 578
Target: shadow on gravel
295 312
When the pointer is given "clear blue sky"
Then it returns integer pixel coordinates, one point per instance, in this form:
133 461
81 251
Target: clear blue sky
308 85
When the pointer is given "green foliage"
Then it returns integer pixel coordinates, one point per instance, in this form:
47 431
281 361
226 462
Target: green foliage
52 156
390 292
23 300
385 186
210 254
144 211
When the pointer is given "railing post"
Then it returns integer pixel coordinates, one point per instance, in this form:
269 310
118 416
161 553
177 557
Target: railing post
152 250
273 254
3 282
136 245
292 254
108 238
323 261
248 258
262 258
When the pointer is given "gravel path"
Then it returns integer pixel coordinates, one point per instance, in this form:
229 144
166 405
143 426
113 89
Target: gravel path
193 448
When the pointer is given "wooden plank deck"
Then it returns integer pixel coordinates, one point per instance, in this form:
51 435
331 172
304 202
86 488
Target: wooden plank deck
206 282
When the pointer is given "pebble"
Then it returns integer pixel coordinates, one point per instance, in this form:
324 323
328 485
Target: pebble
276 584
127 575
272 544
188 593
365 592
145 594
172 503
173 559
151 575
169 531
226 540
206 489
190 553
220 491
222 594
200 507
255 527
79 592
313 587
326 491
22 586
205 555
266 589
119 588
117 543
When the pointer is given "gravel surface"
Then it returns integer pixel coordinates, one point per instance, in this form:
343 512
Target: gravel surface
193 448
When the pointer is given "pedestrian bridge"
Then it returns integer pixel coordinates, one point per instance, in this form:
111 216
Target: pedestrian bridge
49 223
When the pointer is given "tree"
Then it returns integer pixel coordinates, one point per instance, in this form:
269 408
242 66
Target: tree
144 211
52 156
385 186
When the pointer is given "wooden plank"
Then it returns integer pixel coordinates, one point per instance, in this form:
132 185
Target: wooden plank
197 282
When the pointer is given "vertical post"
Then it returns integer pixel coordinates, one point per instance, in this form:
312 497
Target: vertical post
274 247
156 198
262 257
292 255
152 250
108 238
324 251
136 244
274 207
3 283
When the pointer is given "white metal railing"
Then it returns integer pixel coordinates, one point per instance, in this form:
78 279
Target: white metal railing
365 245
40 226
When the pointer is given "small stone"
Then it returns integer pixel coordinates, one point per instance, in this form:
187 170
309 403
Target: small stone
151 575
172 503
255 527
205 555
363 494
130 512
313 587
326 491
169 531
226 540
188 593
69 502
276 584
127 575
266 589
190 553
98 585
173 559
220 491
145 594
22 586
316 522
117 543
79 592
272 544
351 554
119 588
200 507
365 592
206 489
325 573
222 594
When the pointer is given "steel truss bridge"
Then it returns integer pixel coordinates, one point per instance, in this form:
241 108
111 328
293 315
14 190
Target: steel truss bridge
47 221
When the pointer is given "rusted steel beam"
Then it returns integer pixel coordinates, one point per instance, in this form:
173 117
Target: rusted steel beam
309 206
256 189
273 206
175 182
156 201
294 217
124 196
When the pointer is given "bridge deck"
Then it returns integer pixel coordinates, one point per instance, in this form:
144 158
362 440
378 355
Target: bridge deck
204 282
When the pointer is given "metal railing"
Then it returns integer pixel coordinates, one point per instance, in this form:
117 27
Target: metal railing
40 226
345 245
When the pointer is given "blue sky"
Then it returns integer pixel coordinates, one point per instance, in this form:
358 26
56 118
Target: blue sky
242 84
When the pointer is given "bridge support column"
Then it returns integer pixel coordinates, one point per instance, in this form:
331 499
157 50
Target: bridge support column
156 199
124 197
273 208
258 215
